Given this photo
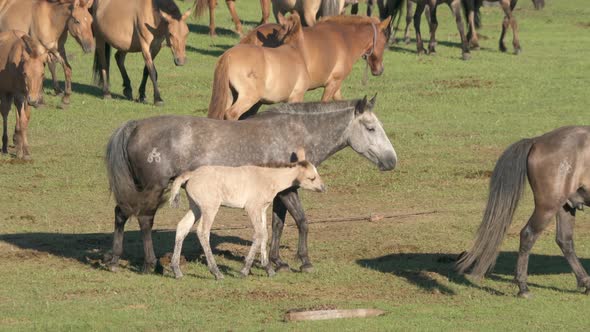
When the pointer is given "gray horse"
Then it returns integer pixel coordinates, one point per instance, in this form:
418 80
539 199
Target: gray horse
143 156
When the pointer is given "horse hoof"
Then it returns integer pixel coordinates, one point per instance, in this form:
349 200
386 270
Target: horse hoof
27 157
114 268
142 100
517 51
128 93
282 267
270 272
244 274
307 268
148 268
503 48
466 56
178 275
587 292
407 41
218 276
525 295
107 96
159 103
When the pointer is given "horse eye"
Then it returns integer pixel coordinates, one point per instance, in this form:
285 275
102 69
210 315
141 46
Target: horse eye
75 20
371 129
312 179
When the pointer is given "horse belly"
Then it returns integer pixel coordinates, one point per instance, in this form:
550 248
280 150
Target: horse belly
115 22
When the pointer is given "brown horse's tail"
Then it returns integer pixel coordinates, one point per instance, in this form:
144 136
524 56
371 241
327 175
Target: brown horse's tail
221 89
97 68
199 7
506 187
175 190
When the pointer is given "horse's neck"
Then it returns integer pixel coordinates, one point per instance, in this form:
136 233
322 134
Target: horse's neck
55 22
281 178
327 135
357 41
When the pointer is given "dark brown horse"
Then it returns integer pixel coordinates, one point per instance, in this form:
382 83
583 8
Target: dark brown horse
137 26
49 21
201 5
22 67
556 165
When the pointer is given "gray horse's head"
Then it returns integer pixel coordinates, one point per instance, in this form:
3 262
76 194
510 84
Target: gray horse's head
366 136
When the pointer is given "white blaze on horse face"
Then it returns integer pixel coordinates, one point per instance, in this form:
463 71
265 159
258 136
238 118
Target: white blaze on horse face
368 138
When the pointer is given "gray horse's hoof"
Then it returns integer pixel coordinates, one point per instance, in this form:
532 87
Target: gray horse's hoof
218 276
307 268
517 51
114 268
107 96
244 273
525 295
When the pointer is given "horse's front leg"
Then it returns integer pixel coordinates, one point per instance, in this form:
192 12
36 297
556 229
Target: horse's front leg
331 90
23 115
293 203
65 100
279 212
417 18
231 5
5 104
456 8
265 6
149 54
127 90
433 27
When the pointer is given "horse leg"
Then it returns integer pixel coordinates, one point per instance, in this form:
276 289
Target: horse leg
514 26
354 9
204 233
433 27
244 102
256 220
293 203
263 253
417 18
370 4
23 114
409 14
528 235
120 220
231 5
505 22
279 212
61 47
456 8
127 91
310 11
265 6
330 90
566 217
146 222
149 55
182 229
212 5
5 104
103 63
472 34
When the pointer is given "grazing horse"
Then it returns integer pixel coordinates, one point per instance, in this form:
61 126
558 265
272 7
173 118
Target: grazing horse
137 26
143 156
309 10
22 67
201 5
49 21
556 165
329 50
251 188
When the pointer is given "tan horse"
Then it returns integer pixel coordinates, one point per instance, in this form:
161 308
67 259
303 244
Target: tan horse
49 21
330 49
260 74
137 26
252 188
308 9
22 67
201 5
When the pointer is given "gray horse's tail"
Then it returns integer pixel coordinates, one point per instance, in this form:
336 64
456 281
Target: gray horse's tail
121 181
506 188
221 89
330 8
199 7
97 68
175 190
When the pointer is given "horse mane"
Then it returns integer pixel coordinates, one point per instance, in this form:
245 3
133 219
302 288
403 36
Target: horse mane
312 107
347 19
303 163
169 7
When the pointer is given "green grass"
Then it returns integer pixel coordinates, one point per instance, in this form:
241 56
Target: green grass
448 119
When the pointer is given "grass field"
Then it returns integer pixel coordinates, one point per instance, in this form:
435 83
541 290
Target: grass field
448 119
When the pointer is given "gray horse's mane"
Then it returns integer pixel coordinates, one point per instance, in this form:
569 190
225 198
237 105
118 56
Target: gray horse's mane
313 107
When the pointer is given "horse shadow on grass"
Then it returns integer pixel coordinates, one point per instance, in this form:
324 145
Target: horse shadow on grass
426 269
80 88
91 248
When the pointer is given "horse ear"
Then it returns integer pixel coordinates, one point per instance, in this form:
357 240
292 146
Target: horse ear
88 3
186 15
75 3
385 23
360 106
300 153
281 19
373 100
166 17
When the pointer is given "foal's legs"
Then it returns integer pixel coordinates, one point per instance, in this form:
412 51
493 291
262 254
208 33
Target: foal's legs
565 239
127 91
259 224
263 253
182 229
120 220
204 232
61 47
528 235
149 54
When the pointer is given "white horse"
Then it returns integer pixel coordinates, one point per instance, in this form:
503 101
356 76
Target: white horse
252 188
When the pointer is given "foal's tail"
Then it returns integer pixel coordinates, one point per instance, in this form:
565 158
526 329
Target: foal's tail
175 190
330 8
199 7
121 181
506 187
221 89
97 68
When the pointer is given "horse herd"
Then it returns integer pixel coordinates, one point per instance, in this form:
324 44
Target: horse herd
264 158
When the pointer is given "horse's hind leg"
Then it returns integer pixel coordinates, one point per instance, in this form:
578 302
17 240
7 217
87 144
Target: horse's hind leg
293 203
146 222
433 26
505 22
23 114
256 219
182 229
417 18
514 26
456 8
231 5
203 233
127 91
65 100
565 239
244 102
409 14
120 220
263 252
528 235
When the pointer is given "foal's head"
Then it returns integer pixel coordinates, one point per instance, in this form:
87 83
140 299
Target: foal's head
80 24
176 34
30 61
291 28
308 177
374 52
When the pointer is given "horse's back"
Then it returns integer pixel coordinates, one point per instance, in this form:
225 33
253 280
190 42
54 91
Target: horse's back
15 15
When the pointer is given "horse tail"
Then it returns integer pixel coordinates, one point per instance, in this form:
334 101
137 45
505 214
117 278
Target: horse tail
330 8
506 188
175 190
121 180
391 8
199 7
221 89
97 68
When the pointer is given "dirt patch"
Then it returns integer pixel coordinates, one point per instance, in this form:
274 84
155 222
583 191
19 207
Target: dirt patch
26 217
585 25
480 174
15 161
464 83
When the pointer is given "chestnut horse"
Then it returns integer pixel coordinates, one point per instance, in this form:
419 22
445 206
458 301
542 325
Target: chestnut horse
137 26
22 67
201 5
329 50
49 21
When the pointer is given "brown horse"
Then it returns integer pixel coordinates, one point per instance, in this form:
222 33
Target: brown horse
49 21
22 67
556 165
201 5
329 50
137 26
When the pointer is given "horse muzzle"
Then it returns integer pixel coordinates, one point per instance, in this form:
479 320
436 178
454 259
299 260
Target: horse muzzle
377 72
88 47
321 189
179 61
388 163
34 102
